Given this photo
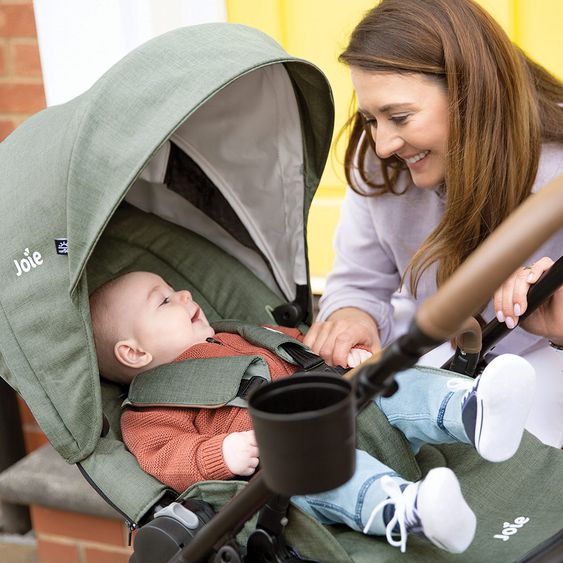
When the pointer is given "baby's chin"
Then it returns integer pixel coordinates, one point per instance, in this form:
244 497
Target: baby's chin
202 334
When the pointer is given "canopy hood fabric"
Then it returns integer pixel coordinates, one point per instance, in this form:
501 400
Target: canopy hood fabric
64 172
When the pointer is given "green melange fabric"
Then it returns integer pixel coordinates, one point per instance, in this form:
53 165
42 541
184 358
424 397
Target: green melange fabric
259 336
209 382
64 173
498 493
135 240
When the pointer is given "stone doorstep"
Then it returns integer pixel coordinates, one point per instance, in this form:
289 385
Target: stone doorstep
45 479
16 552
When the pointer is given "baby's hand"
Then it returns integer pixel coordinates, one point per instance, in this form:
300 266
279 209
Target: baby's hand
357 356
240 452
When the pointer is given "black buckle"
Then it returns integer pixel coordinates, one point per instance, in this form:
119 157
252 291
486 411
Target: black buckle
305 359
310 362
247 386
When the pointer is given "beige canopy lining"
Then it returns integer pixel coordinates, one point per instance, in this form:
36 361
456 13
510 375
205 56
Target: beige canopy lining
247 139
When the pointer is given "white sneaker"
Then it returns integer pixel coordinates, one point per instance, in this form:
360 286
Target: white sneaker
496 406
433 508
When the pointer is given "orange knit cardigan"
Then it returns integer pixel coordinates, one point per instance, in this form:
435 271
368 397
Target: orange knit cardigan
181 446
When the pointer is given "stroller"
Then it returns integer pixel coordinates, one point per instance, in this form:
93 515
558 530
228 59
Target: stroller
197 157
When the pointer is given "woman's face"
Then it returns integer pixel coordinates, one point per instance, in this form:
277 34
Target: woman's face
408 117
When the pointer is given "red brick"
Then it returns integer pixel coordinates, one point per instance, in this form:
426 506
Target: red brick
26 61
93 555
2 60
50 551
21 98
17 20
25 413
78 526
6 127
33 439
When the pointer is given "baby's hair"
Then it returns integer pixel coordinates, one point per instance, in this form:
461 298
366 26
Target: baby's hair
106 333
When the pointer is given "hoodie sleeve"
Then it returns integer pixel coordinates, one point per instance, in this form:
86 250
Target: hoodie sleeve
364 275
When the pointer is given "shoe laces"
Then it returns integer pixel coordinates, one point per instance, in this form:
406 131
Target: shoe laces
405 515
462 384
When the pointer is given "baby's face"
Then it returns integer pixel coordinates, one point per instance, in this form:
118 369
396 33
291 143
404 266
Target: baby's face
163 321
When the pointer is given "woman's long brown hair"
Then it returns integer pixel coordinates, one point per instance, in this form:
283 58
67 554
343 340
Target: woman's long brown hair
502 106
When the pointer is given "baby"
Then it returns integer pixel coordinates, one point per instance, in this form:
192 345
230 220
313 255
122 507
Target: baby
140 322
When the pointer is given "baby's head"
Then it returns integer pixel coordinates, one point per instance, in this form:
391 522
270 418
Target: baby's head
140 322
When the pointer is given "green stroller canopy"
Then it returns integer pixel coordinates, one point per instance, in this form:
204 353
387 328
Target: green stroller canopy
221 101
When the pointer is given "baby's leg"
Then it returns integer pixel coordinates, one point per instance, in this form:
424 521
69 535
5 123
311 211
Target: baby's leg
353 502
489 412
379 502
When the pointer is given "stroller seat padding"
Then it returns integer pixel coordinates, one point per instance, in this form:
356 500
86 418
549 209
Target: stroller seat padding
135 240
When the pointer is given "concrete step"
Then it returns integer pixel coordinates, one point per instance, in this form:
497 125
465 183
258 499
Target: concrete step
18 549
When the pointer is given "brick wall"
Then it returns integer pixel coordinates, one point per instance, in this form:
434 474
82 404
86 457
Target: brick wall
21 83
63 537
32 434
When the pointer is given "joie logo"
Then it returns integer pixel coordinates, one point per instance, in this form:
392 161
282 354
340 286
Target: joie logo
511 529
30 260
61 244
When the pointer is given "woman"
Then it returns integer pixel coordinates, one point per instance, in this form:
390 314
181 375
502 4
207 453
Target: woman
455 127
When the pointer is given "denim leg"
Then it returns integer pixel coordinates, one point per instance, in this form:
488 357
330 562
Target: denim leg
353 502
424 409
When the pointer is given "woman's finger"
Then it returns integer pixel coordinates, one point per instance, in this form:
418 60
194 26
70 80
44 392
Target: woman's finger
311 336
497 304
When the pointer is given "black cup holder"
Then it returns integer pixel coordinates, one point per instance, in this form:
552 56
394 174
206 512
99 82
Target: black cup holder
305 427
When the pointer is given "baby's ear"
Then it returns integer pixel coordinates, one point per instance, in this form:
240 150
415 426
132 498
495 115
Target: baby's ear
130 354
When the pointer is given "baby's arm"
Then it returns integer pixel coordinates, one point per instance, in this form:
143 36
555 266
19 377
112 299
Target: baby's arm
240 452
169 447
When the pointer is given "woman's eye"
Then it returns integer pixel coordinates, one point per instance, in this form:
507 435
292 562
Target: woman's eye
398 119
165 301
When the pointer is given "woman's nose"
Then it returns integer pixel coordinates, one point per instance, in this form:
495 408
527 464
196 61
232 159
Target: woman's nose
387 141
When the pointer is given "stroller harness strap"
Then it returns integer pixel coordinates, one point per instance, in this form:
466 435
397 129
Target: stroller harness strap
268 338
213 382
285 347
207 383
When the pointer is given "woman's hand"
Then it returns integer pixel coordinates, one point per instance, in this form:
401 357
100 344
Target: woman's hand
510 302
345 329
240 452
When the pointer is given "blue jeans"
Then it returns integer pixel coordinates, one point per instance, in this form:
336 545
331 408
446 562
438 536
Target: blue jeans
426 412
